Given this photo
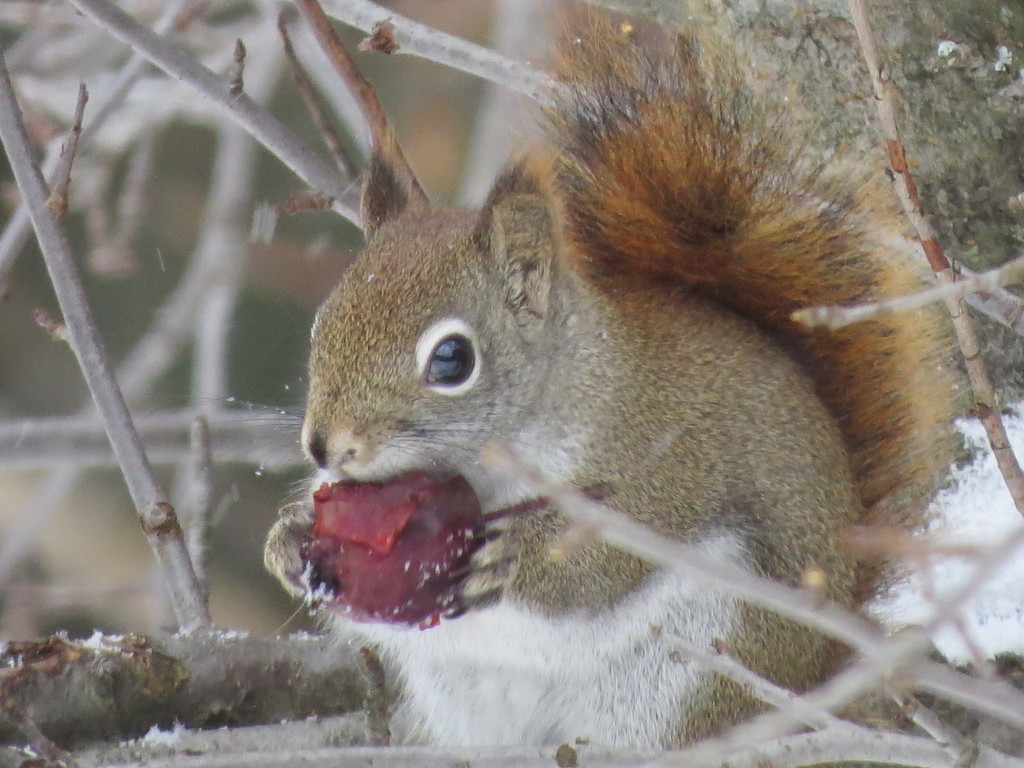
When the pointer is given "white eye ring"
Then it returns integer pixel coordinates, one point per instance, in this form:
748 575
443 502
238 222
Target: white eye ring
427 345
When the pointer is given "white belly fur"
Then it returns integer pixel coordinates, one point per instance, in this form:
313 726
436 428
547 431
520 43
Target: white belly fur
508 676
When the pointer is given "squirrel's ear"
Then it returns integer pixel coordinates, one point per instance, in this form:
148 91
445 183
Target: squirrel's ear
516 231
388 189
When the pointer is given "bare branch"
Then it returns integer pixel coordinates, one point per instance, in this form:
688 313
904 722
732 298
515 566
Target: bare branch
66 685
626 533
248 437
268 747
241 746
111 253
315 106
765 690
839 317
959 749
987 409
259 436
1000 305
845 746
236 83
503 116
157 516
251 116
384 141
881 656
198 495
58 200
993 698
17 230
421 40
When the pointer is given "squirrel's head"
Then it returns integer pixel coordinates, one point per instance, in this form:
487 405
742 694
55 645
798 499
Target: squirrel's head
437 338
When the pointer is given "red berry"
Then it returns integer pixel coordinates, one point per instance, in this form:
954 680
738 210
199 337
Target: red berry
390 552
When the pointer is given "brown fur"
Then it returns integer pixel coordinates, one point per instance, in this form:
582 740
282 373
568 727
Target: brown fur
667 169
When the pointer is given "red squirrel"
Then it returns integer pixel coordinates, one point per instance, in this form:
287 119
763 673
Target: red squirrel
619 313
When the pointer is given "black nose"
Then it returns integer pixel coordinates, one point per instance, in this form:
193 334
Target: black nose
318 448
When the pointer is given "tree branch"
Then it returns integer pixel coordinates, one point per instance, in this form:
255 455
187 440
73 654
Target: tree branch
839 317
987 409
251 116
16 232
262 437
420 40
157 516
117 687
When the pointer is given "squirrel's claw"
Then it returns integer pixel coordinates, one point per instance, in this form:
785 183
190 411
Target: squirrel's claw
489 570
282 553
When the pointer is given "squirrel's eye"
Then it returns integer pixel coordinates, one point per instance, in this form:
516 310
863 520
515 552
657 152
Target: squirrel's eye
448 357
451 363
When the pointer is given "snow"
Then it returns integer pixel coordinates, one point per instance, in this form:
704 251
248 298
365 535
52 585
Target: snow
101 643
169 738
976 511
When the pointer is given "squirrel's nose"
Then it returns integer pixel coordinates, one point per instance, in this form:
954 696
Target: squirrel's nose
334 449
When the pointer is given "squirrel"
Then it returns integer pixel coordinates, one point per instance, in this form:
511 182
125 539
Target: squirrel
619 312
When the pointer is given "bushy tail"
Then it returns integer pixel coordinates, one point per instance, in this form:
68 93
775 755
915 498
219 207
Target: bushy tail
669 169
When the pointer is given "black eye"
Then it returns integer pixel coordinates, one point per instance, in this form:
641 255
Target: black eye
451 362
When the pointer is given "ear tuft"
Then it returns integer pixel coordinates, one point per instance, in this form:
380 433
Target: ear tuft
387 192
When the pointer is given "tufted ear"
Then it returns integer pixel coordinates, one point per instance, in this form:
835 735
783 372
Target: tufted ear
389 188
516 230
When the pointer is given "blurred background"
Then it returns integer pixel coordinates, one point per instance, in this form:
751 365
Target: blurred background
205 309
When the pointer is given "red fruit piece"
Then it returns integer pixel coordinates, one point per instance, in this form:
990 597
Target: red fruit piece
390 552
367 513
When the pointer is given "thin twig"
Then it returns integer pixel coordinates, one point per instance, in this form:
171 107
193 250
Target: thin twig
841 746
157 516
839 317
426 42
881 655
149 359
995 698
626 533
250 115
17 230
315 106
765 690
56 329
960 750
987 409
109 252
376 706
236 749
198 523
999 305
384 141
236 83
58 200
261 436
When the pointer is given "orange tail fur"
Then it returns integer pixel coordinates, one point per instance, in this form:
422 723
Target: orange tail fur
668 169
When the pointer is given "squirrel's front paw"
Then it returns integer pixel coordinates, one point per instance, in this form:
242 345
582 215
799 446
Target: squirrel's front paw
283 552
490 568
